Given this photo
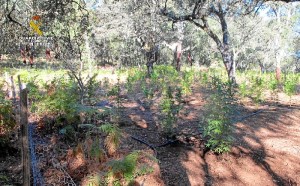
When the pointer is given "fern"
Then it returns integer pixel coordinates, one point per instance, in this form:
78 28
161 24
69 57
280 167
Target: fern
113 138
96 180
96 152
125 168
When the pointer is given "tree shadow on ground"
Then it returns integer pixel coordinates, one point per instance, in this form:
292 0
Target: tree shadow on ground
261 138
184 164
144 126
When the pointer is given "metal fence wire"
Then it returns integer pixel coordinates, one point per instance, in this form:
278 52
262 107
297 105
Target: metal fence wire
37 177
37 156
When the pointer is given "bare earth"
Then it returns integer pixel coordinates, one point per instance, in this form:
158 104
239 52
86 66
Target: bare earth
266 149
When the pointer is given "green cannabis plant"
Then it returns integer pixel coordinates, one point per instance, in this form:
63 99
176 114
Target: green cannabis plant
216 122
170 107
186 82
290 87
257 89
274 87
243 89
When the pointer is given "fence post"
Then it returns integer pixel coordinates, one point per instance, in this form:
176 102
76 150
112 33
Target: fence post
24 134
13 89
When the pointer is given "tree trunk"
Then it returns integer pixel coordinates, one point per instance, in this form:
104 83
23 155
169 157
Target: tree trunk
262 67
229 63
278 43
278 74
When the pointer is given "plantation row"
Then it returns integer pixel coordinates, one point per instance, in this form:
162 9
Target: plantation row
86 110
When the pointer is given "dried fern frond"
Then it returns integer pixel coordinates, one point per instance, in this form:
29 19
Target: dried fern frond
112 141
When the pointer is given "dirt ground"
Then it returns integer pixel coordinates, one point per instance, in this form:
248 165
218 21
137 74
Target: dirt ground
266 150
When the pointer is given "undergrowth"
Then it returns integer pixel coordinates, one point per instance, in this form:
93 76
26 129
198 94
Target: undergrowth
7 117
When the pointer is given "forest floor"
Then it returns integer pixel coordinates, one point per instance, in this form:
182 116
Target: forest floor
266 149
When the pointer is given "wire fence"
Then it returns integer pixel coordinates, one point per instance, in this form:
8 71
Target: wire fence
38 151
37 177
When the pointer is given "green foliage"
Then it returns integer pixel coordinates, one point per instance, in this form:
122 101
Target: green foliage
186 82
216 118
166 71
92 115
273 86
144 170
113 139
60 98
126 169
170 107
7 120
243 89
4 179
91 86
147 90
290 86
126 166
96 152
68 132
96 180
106 83
204 78
134 75
113 135
116 111
162 76
114 91
34 93
163 82
257 89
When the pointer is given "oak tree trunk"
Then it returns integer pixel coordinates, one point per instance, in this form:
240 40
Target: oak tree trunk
278 73
229 63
